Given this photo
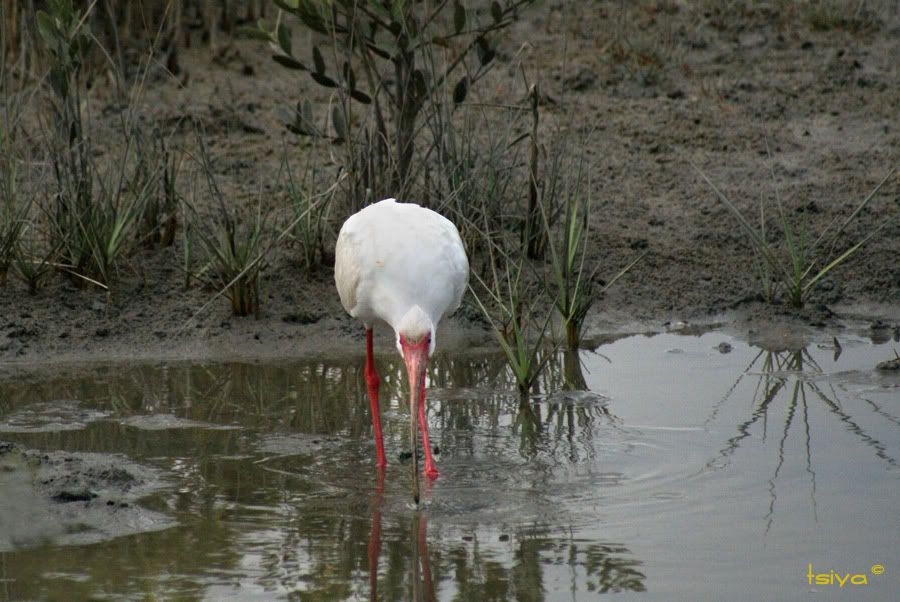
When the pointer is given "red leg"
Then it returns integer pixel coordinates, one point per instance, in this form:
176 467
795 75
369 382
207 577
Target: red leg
423 558
430 469
373 383
375 535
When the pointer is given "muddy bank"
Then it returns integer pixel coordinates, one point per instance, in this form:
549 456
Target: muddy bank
71 498
654 85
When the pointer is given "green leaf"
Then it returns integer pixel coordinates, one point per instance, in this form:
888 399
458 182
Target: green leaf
289 62
349 76
284 38
496 12
47 28
306 112
440 41
311 17
412 28
360 96
379 51
323 80
418 84
485 53
254 33
459 17
289 5
460 90
318 61
340 124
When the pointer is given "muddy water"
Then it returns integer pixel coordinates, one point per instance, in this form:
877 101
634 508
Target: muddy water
669 467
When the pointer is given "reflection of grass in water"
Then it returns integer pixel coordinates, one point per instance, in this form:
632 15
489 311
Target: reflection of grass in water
326 397
784 373
315 540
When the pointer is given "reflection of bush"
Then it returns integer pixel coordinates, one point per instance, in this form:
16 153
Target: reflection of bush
788 377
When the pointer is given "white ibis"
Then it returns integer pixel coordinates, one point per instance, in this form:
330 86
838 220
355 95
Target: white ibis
405 265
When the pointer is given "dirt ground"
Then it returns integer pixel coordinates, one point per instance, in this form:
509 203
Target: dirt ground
656 85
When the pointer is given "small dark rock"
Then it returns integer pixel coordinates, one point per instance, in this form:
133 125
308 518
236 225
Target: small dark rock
65 497
504 537
301 318
810 207
581 81
20 332
638 243
102 332
724 347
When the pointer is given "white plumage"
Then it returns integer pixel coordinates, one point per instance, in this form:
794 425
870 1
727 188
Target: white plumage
400 263
405 265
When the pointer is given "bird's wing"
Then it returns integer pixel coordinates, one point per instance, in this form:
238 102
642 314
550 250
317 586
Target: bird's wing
456 255
347 268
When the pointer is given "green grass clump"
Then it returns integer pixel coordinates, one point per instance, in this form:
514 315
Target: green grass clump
236 242
97 233
517 322
13 212
311 214
572 278
798 260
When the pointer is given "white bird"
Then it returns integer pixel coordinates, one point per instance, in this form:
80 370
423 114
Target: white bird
405 265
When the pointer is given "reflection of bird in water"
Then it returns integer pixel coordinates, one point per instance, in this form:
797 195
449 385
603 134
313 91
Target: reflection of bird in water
423 587
405 265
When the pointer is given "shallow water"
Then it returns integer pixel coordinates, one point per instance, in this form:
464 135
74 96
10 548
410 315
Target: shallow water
686 470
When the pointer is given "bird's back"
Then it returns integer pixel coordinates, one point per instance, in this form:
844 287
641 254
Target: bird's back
392 255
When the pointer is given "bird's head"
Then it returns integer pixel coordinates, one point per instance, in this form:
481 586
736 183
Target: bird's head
415 333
